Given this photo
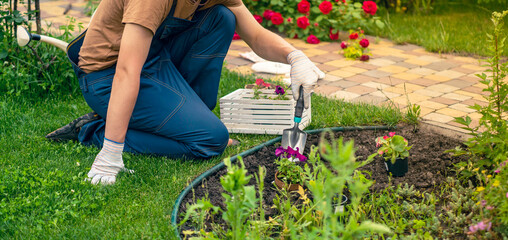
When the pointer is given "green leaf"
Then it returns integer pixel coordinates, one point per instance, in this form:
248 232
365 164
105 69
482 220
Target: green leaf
3 54
380 24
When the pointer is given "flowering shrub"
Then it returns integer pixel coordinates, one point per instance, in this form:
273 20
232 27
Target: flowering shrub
289 172
392 147
314 20
356 47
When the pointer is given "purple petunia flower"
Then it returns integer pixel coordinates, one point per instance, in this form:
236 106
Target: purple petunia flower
279 90
279 151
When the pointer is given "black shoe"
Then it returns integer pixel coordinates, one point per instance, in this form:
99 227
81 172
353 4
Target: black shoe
71 130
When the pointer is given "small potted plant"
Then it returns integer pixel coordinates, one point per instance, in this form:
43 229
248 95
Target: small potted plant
395 150
289 175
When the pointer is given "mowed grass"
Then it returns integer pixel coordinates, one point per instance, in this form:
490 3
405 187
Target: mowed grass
43 195
452 27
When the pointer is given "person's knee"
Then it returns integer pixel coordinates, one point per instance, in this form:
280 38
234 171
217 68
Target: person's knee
213 145
224 18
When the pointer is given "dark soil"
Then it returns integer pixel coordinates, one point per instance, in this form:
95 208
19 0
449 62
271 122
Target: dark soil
428 165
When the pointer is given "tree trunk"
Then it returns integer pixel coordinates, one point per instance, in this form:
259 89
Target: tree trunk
38 16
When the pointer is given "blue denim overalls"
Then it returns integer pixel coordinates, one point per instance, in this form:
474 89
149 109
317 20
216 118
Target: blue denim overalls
178 88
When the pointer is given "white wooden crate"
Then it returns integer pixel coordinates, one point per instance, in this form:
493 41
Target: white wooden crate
243 114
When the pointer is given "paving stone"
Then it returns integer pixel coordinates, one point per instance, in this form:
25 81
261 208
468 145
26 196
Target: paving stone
466 59
413 98
381 62
347 96
332 56
367 66
417 62
442 65
450 74
398 90
326 67
342 73
376 73
442 88
430 58
409 87
406 47
438 117
474 67
234 53
424 82
369 99
402 55
406 65
462 107
318 59
432 105
438 78
474 123
360 78
344 84
463 70
313 52
384 94
332 47
359 89
326 90
239 61
451 112
354 69
445 101
472 102
341 63
424 71
476 90
392 81
394 58
455 96
474 79
375 85
332 78
393 69
429 93
407 76
473 95
245 70
458 83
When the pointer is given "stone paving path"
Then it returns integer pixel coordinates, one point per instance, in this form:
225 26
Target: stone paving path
443 85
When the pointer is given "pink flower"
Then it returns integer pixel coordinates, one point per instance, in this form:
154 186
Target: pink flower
302 22
380 152
313 39
369 7
364 43
343 45
364 58
292 152
259 81
385 137
279 151
483 203
268 14
290 20
333 36
316 24
497 171
507 194
391 134
303 6
277 19
489 207
325 7
236 36
258 18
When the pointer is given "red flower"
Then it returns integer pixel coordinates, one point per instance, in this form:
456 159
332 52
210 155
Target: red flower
353 36
313 39
268 14
316 24
302 22
364 43
290 20
236 36
333 36
325 7
295 37
369 7
364 58
303 6
343 45
277 19
258 18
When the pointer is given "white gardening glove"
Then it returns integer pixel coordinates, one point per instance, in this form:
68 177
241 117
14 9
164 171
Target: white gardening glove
107 164
303 73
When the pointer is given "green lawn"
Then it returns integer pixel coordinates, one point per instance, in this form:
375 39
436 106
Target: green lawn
42 192
453 26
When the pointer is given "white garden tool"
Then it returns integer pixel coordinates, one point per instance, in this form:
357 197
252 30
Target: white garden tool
24 37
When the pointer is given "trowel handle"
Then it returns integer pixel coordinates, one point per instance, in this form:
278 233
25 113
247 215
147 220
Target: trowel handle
299 106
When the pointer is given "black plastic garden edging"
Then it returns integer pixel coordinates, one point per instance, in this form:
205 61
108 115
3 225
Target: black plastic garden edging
197 181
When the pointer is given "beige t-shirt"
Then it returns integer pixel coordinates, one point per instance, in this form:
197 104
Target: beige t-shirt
102 41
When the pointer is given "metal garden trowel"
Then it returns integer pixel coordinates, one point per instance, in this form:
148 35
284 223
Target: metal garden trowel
294 137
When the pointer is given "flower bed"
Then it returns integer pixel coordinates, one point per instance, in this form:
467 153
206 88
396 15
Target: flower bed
429 167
